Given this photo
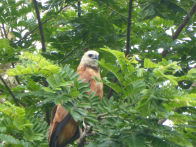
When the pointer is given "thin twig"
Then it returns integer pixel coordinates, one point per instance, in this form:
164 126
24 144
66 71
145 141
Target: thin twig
124 17
67 55
4 30
40 26
2 35
82 138
106 117
161 121
186 20
31 31
10 91
45 21
101 115
16 77
83 134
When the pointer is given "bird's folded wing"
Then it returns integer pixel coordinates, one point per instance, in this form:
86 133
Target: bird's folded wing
63 129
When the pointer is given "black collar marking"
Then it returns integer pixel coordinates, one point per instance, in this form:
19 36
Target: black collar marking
93 67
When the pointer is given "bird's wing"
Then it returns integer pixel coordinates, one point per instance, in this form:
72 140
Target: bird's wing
63 129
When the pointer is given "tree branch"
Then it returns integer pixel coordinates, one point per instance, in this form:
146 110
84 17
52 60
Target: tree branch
9 90
45 21
16 77
180 28
86 132
106 117
124 17
4 30
67 55
79 8
129 28
111 90
128 42
43 50
2 34
82 138
47 116
101 115
31 31
40 26
186 20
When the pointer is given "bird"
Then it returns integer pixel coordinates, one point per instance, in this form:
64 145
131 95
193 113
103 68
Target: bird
88 71
63 128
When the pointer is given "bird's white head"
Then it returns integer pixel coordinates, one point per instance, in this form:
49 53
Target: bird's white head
90 58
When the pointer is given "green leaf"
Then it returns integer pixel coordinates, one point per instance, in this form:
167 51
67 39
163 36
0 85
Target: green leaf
149 64
9 139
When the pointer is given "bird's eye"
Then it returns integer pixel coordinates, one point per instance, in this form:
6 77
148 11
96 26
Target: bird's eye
90 55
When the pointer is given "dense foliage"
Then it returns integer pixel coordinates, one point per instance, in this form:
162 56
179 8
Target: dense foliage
142 90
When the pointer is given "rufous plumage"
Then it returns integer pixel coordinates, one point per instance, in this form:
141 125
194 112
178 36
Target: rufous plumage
63 128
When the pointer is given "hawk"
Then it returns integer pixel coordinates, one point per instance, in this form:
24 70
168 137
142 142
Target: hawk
63 129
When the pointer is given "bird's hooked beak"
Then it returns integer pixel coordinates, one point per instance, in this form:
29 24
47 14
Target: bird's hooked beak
95 57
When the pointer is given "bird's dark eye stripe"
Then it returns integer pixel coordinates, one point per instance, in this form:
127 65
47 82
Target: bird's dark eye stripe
90 55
